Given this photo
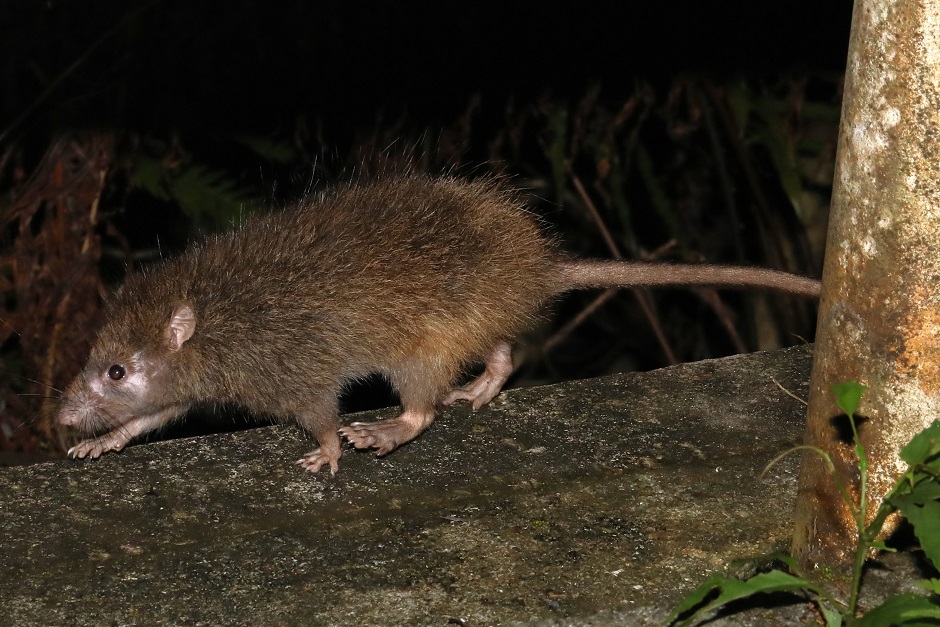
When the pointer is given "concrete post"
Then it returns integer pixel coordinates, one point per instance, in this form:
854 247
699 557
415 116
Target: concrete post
879 319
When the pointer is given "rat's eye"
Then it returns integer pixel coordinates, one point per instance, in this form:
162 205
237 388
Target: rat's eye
116 372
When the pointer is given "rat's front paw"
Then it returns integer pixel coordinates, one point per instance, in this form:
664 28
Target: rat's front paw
94 447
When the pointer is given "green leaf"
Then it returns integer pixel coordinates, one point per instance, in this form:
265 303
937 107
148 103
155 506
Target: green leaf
773 581
878 545
923 491
734 589
833 617
903 609
847 395
786 559
923 446
209 196
147 174
695 598
922 509
929 584
780 143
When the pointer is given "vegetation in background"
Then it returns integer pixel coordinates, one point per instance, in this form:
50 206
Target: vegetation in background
915 495
732 173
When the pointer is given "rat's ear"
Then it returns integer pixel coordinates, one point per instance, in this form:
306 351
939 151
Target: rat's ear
180 328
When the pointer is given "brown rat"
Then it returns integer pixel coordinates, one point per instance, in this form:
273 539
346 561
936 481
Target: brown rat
408 276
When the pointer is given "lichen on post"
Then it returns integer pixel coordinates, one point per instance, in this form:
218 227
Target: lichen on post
880 312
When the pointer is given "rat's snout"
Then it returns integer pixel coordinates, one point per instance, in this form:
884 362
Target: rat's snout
77 405
70 412
68 416
81 414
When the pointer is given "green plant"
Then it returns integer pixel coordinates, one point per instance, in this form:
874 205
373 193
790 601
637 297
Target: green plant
915 495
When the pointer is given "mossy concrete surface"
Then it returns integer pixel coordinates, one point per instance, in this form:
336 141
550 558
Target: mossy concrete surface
592 502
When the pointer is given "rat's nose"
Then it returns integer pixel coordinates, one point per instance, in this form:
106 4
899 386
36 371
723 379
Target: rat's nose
68 417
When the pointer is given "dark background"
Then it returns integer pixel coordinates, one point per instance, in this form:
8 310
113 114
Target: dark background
256 65
735 106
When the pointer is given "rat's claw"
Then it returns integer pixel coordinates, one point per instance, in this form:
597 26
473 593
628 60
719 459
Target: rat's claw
481 390
315 460
381 436
96 446
387 435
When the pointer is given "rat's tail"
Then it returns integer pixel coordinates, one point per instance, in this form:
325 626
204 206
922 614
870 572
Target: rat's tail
597 273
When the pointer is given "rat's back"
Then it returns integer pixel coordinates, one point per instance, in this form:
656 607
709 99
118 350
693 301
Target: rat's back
369 274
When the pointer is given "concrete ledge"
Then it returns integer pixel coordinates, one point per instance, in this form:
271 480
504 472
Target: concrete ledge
591 500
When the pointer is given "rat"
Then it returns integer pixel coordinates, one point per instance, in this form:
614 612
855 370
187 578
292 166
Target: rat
410 276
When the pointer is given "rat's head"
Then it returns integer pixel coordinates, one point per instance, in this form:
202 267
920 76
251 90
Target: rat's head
131 372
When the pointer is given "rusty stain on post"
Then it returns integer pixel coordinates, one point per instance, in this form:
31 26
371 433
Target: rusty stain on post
879 319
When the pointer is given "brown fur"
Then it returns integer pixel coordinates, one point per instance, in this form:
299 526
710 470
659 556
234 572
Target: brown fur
408 276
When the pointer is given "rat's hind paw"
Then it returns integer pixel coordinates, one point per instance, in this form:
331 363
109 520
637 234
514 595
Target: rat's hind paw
387 435
481 390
